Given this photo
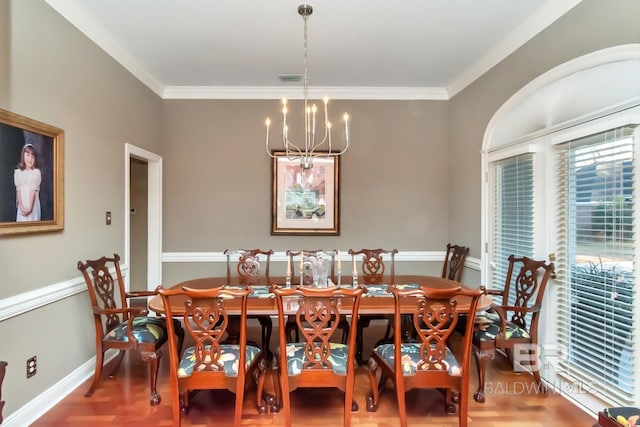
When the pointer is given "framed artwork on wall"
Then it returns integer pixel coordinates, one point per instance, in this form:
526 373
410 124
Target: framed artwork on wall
305 201
31 175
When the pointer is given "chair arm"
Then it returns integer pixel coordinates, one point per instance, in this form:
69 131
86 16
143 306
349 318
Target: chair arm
133 311
138 294
532 309
498 292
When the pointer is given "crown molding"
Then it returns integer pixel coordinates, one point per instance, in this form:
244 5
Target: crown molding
549 13
333 92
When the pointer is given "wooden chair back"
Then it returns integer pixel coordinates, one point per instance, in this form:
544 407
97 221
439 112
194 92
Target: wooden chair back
252 267
105 285
373 266
211 363
319 359
454 262
525 291
249 266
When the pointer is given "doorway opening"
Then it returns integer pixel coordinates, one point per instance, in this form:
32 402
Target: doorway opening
138 157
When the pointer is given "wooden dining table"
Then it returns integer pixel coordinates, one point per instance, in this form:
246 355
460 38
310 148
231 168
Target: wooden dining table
262 302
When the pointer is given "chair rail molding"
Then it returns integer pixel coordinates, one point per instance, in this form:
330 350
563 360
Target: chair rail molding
402 256
22 303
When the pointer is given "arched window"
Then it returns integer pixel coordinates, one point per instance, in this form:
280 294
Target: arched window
560 158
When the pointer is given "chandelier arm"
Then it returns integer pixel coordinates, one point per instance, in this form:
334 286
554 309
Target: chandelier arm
269 153
288 145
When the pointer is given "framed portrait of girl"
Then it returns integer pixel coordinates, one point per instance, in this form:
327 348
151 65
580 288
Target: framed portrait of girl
31 175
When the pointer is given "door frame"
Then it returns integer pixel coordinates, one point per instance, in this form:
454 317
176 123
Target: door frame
154 213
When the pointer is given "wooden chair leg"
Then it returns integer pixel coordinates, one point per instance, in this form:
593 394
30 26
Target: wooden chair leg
362 323
266 325
450 397
373 398
116 367
3 368
402 405
292 331
343 324
152 357
482 357
275 377
97 373
536 376
177 325
239 400
261 397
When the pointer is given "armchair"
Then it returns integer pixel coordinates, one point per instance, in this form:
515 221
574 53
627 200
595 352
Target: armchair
119 326
514 321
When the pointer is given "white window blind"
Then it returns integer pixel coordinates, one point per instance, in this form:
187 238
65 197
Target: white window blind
595 264
512 201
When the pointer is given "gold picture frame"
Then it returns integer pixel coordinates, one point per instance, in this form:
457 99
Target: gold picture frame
33 201
305 201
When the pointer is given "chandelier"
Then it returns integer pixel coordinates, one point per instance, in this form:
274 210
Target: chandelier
313 146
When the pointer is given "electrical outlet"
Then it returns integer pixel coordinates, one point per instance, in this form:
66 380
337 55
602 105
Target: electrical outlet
32 366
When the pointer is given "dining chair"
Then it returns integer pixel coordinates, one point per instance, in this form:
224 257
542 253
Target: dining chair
374 270
120 326
251 267
454 260
210 363
301 274
429 361
452 269
512 324
319 359
3 368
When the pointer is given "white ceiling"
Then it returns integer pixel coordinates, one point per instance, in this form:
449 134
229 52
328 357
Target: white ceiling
373 49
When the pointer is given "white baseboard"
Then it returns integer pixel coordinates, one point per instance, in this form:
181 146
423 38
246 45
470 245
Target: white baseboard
42 403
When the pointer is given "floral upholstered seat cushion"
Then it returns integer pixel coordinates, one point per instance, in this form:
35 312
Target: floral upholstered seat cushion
145 329
411 358
337 357
488 327
229 358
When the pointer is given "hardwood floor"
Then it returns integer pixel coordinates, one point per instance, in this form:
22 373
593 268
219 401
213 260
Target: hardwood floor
124 401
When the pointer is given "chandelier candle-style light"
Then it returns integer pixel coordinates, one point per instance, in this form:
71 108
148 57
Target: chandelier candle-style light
312 147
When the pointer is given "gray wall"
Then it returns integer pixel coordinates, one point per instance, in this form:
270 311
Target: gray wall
57 76
592 25
411 179
217 176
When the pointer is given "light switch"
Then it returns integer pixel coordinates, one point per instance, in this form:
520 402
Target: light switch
107 218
